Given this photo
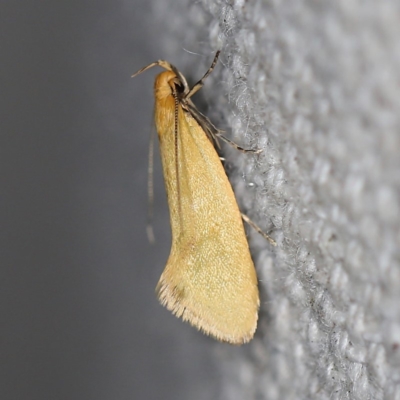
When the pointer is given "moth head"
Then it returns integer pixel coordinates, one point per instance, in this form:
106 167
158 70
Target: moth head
167 84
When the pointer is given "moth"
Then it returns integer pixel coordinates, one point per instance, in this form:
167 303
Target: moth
209 280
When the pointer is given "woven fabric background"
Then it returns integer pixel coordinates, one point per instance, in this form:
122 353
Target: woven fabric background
316 85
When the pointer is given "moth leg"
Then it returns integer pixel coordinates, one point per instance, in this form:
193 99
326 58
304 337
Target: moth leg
236 146
150 190
200 83
258 229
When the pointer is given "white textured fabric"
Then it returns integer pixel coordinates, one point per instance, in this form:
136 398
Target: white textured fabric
316 84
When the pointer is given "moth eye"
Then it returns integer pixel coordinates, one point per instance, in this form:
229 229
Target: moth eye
176 85
179 88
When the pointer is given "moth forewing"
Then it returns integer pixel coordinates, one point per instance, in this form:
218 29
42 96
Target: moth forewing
210 279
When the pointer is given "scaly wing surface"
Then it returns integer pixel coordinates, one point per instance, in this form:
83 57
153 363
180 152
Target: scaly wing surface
209 279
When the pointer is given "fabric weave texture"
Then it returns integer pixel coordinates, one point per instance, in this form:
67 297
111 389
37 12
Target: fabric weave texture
317 86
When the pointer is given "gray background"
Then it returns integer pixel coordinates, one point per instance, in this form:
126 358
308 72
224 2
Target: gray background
79 318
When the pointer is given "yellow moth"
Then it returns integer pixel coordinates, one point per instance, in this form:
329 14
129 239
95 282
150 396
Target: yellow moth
209 280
